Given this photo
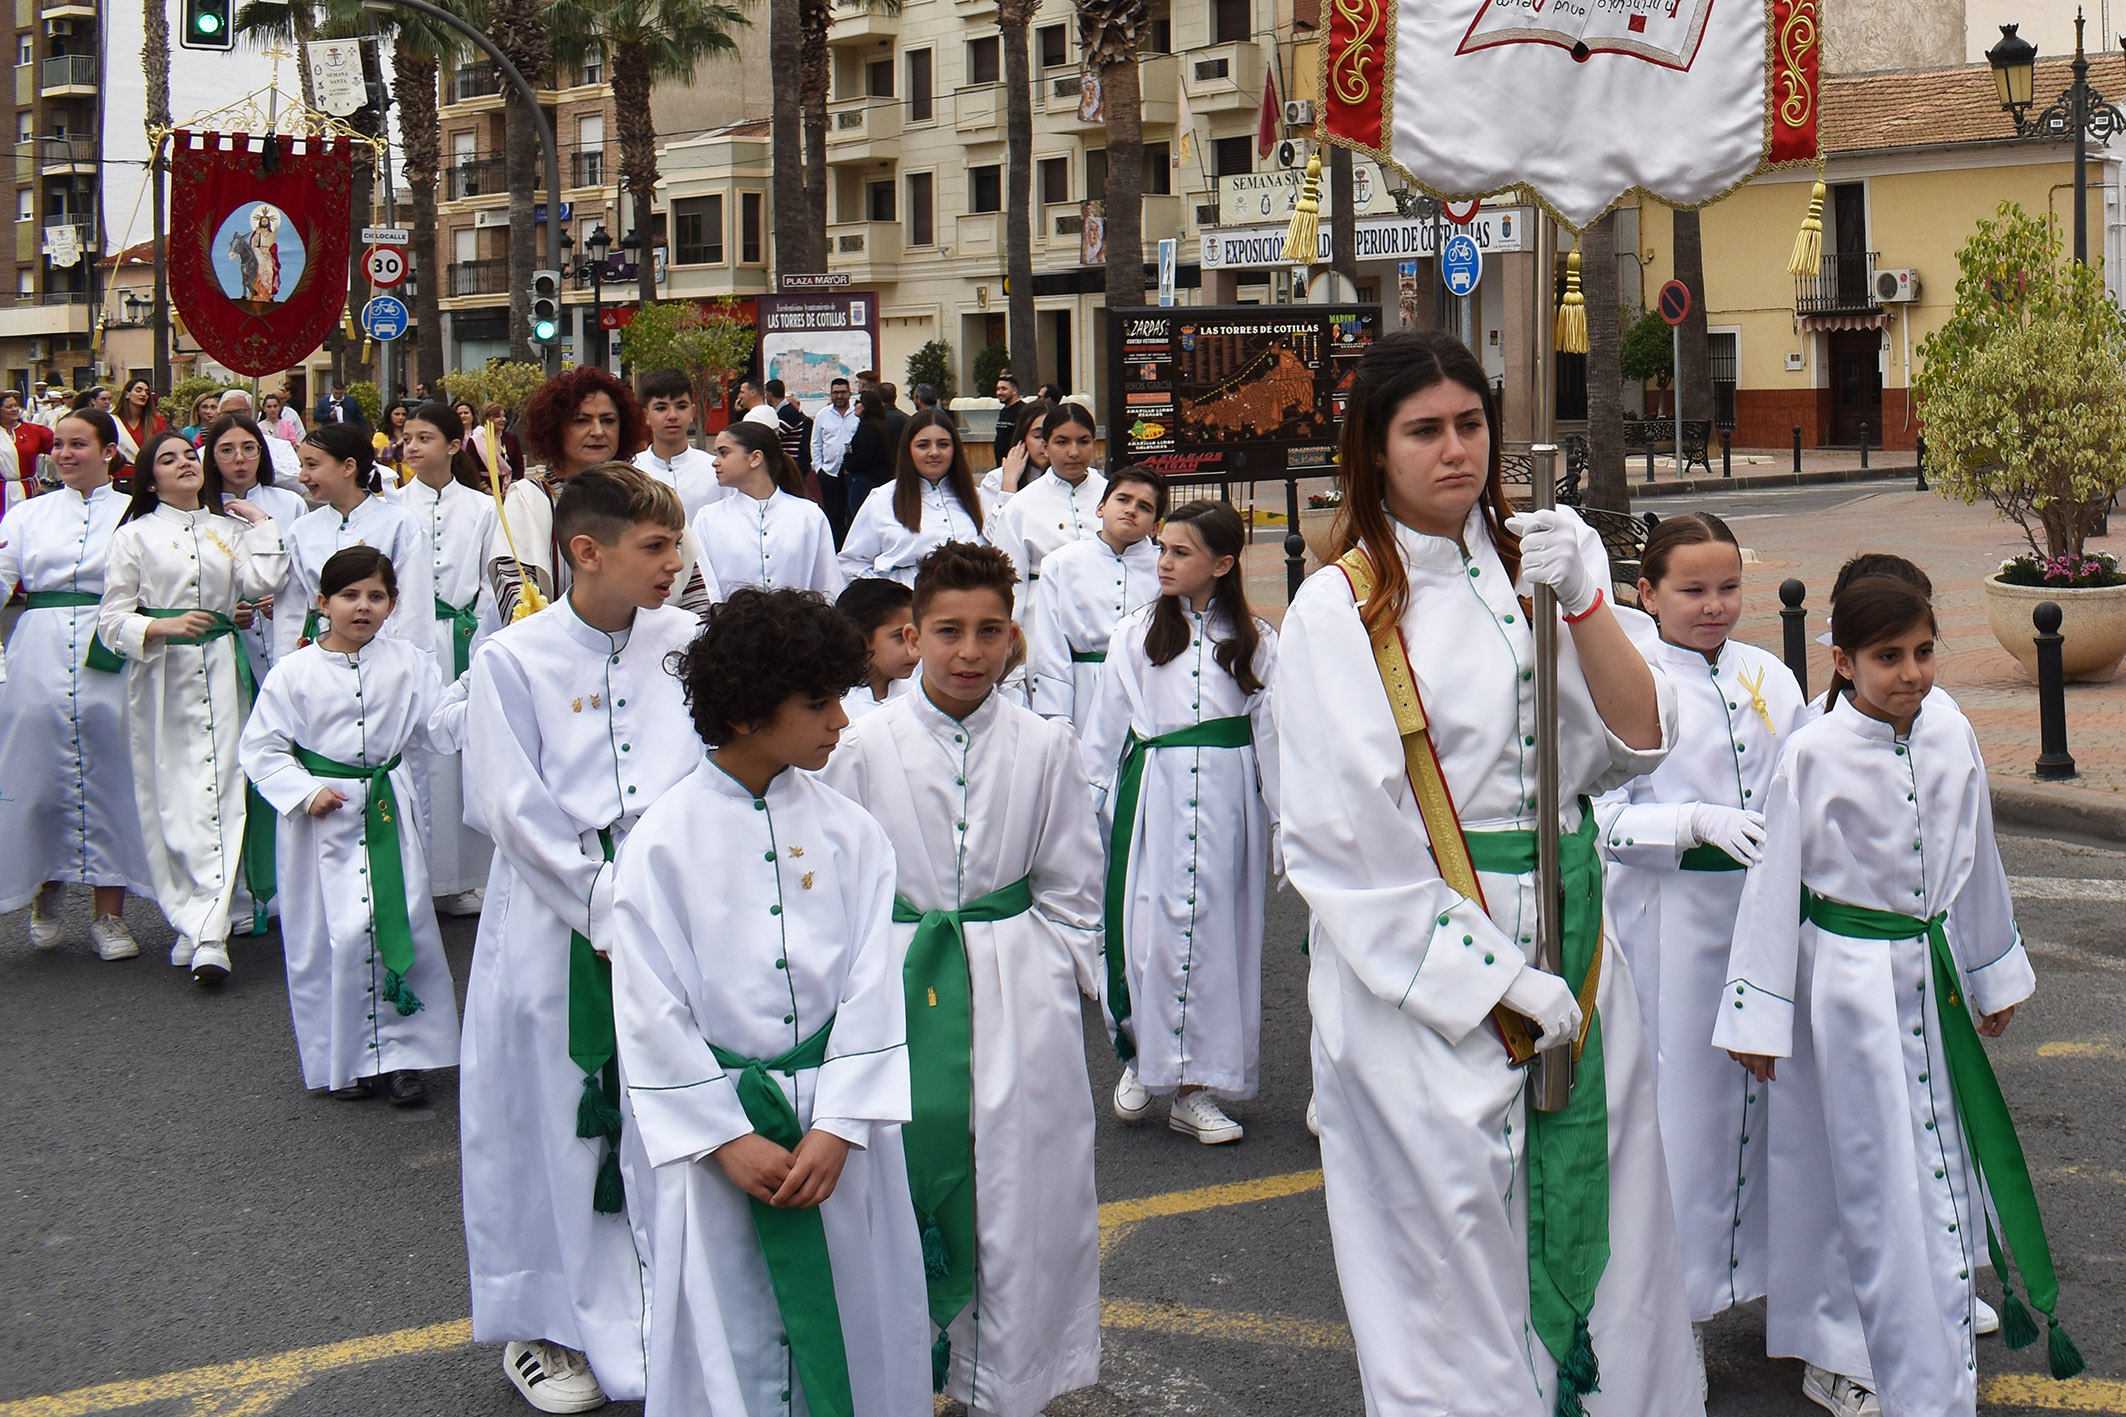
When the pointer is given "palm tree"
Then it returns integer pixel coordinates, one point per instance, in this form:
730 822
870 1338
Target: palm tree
1605 368
155 65
419 48
800 241
1111 32
1694 372
815 72
1013 17
520 33
647 41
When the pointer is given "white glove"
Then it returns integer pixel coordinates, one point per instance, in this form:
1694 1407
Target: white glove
1739 833
1550 555
1543 999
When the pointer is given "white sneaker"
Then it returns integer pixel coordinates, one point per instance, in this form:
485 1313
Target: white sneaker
1840 1394
47 927
1313 1117
1989 1319
113 939
210 962
463 903
181 952
1198 1114
1132 1098
552 1378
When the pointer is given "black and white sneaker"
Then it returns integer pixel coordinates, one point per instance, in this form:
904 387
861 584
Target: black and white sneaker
552 1378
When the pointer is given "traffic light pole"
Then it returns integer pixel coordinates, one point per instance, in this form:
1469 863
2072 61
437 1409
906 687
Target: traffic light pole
545 129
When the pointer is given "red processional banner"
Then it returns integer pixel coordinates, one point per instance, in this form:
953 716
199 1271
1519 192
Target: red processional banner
258 244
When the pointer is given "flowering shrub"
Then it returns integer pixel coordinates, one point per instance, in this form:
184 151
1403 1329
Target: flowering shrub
2066 572
1319 500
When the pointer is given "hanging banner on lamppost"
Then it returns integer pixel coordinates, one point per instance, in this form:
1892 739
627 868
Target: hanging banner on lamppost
1682 99
336 75
258 244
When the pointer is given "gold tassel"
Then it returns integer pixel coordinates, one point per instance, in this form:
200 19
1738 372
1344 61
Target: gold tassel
1572 310
1302 240
529 600
1807 259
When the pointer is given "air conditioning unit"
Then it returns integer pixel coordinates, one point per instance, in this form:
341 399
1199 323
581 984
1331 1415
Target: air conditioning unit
1896 287
1299 113
38 349
59 29
1293 152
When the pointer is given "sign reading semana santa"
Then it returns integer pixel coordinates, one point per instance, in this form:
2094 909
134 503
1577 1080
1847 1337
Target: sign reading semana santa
1682 99
258 244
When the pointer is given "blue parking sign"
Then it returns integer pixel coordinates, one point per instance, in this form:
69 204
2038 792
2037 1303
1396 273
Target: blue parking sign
1461 264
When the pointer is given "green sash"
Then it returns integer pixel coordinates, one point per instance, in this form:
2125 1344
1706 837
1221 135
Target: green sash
1709 858
1568 1151
592 1045
794 1241
939 1136
1211 733
1088 656
1986 1123
100 657
261 868
465 620
387 871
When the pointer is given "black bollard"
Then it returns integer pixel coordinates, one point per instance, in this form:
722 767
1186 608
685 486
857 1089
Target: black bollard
1295 543
1727 452
1863 447
1649 452
1797 448
1919 462
2053 760
1794 621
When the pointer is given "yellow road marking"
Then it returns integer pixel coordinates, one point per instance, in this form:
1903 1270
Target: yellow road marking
2097 1048
1264 1330
2075 1395
1119 1218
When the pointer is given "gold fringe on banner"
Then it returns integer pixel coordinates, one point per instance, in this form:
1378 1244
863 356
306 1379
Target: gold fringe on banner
1302 240
1572 310
1807 259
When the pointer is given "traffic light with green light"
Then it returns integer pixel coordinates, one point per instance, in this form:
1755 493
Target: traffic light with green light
206 26
545 307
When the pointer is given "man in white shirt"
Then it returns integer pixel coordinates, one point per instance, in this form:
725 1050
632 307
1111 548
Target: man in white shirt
668 407
832 428
756 405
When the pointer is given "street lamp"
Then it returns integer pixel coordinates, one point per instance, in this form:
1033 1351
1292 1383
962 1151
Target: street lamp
2079 110
600 245
134 306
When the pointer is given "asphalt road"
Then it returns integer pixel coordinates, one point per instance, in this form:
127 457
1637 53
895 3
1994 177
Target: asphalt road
179 1203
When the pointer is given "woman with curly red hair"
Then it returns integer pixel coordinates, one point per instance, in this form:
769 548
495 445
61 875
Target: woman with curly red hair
576 420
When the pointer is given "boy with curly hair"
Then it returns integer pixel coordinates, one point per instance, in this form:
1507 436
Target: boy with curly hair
763 1036
574 728
998 905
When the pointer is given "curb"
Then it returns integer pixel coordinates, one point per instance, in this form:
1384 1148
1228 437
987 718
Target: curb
2075 809
1699 486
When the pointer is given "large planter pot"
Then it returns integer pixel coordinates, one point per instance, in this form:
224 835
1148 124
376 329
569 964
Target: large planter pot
2092 626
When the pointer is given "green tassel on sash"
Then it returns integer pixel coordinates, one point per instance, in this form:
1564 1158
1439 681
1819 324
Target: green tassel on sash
591 1043
390 922
793 1240
1236 732
939 1136
1983 1111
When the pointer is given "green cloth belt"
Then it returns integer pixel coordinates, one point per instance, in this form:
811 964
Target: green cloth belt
1986 1123
99 656
793 1240
465 621
1710 858
310 623
1211 733
389 920
261 868
1568 1151
939 1135
591 1043
1088 656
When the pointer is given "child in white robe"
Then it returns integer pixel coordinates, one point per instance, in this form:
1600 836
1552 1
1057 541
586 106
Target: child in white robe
931 500
1676 842
766 532
575 725
880 609
1085 590
1892 1151
668 410
236 450
762 1032
1182 753
181 565
68 813
339 470
455 519
991 821
368 986
1055 509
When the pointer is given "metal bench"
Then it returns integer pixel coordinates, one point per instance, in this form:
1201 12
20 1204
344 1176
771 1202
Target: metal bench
1624 538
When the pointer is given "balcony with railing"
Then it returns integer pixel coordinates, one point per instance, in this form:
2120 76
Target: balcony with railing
980 110
489 277
66 74
54 312
861 22
867 250
864 129
1224 76
476 81
1845 286
472 177
587 168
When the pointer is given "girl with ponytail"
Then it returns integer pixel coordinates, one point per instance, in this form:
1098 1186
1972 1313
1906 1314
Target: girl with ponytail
339 473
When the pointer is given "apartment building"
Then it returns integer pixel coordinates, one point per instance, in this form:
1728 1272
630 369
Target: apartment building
45 296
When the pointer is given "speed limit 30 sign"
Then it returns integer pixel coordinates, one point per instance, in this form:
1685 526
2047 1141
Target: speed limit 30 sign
384 265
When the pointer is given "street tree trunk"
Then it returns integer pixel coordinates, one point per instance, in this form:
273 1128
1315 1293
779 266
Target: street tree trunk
816 77
799 244
1694 373
638 154
155 64
1013 16
1122 101
1605 368
519 33
414 77
1343 223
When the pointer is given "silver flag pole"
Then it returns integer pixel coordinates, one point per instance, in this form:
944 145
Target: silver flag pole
1550 1076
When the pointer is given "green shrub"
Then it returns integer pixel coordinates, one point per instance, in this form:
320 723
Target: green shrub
932 364
987 365
176 407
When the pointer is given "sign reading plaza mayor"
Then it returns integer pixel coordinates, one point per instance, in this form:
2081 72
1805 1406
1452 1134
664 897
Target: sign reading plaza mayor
1233 391
1494 229
808 341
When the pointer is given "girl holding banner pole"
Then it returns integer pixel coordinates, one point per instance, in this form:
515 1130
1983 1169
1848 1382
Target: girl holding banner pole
1496 1261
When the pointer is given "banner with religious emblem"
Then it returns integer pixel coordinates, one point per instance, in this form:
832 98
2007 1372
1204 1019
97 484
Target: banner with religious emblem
1581 100
258 243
